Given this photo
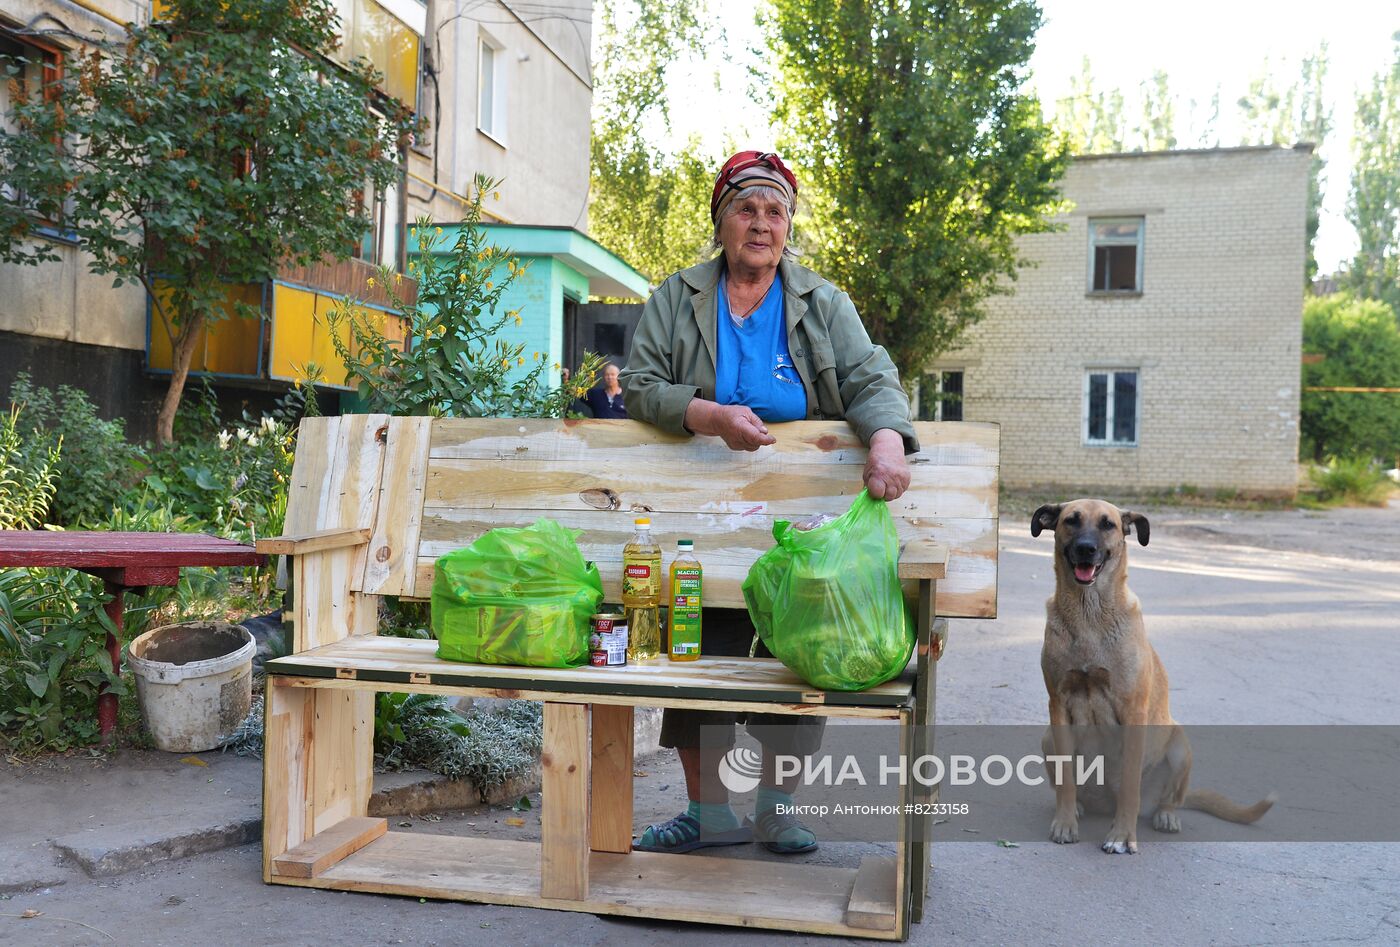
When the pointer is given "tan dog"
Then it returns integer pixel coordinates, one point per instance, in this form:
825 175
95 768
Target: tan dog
1107 687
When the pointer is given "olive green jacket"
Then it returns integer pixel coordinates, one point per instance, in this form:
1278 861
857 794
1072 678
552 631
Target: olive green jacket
844 373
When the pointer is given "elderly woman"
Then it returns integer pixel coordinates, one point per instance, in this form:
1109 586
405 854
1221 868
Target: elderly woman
726 348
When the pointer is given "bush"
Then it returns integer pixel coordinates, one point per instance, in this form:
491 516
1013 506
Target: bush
98 461
1350 481
1359 342
28 474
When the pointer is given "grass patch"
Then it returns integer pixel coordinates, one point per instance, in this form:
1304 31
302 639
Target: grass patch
1346 482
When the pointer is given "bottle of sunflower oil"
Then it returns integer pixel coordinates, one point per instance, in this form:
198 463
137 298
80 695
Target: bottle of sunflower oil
641 593
685 594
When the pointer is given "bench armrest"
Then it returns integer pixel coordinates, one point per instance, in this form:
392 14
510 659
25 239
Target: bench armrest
921 559
313 542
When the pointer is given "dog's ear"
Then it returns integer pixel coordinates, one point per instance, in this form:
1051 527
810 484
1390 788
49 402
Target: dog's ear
1045 518
1131 520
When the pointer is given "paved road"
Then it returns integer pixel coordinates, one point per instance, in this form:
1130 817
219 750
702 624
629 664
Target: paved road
1265 618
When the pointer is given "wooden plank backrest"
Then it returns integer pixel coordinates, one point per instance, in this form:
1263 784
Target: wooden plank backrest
444 482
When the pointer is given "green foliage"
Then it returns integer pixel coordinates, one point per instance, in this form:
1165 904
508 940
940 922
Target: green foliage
1353 482
924 158
227 478
1276 114
1373 206
1360 347
633 179
52 656
98 461
1098 122
398 715
498 745
458 364
29 467
207 149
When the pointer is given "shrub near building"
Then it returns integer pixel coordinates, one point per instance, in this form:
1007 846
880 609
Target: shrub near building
1359 341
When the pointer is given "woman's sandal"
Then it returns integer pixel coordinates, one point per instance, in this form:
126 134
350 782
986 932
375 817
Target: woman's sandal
683 834
771 825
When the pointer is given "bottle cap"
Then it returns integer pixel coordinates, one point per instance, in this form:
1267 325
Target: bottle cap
685 543
642 522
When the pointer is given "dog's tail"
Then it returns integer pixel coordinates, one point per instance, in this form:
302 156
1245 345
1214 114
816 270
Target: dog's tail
1216 804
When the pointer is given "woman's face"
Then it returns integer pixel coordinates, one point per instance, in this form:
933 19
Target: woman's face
753 233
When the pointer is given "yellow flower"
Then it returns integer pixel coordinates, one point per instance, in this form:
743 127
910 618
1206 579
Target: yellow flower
520 360
461 277
537 356
555 366
438 231
398 277
495 195
410 267
370 282
488 284
517 320
505 363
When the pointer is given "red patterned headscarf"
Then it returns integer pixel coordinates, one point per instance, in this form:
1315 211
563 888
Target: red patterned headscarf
748 169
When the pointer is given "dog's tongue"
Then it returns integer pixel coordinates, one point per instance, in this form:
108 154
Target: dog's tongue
1084 573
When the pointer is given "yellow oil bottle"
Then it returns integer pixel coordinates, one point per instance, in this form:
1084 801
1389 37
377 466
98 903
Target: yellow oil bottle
687 576
641 593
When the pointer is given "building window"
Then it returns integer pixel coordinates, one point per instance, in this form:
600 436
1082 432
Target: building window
941 396
28 69
383 244
1115 255
491 98
1111 408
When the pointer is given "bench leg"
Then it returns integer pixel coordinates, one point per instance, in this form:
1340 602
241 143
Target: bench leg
610 802
288 717
924 692
564 817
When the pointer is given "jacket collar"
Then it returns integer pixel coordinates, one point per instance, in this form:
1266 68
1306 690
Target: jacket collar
797 279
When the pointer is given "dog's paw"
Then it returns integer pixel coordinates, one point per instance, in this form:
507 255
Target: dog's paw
1064 831
1120 842
1166 820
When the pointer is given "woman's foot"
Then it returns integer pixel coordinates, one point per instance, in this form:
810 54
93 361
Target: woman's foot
776 827
702 825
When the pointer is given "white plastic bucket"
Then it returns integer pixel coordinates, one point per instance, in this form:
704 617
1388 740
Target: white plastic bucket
194 682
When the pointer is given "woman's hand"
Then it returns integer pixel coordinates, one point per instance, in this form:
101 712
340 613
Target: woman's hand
736 425
886 471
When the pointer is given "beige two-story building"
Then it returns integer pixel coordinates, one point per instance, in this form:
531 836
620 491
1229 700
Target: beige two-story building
1155 340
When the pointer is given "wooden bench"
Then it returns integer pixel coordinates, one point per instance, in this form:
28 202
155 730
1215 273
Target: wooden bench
375 500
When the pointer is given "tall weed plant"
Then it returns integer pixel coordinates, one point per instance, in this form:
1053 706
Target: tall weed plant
455 362
29 469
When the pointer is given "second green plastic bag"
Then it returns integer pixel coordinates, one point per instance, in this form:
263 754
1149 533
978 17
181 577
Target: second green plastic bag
827 601
516 596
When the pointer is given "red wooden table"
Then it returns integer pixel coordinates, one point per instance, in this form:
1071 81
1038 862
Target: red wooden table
122 561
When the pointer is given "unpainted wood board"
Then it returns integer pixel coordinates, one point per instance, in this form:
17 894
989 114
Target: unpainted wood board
727 546
765 894
288 731
308 489
327 847
610 794
391 559
728 704
313 542
709 676
564 818
732 488
342 756
923 559
874 895
962 443
354 488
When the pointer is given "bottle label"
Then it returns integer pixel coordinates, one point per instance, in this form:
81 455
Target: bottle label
641 583
685 611
639 572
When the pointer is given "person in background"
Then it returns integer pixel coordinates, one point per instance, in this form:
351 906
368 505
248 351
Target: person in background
726 348
605 399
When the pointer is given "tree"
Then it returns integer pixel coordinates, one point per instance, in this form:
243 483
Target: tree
1278 115
649 206
1096 122
1359 342
921 158
204 151
1374 204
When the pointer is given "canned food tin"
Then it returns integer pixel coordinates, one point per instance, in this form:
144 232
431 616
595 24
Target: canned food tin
607 641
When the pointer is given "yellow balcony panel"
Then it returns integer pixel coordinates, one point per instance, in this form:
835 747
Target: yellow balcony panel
227 346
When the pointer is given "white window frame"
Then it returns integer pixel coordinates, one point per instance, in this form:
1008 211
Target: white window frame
938 390
1110 406
497 127
1139 243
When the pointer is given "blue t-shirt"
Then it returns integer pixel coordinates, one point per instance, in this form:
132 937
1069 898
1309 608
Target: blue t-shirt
753 366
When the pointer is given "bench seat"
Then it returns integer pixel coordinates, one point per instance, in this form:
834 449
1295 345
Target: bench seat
756 683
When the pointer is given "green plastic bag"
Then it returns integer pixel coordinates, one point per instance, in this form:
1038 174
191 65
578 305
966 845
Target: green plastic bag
827 601
516 596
